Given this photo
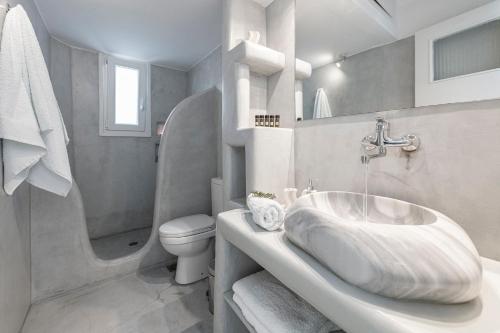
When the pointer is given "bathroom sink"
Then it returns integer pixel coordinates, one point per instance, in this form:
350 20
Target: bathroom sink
398 250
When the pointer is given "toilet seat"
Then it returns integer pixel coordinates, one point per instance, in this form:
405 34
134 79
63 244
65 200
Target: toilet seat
187 239
188 226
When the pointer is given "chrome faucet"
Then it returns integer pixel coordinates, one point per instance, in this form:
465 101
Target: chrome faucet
375 145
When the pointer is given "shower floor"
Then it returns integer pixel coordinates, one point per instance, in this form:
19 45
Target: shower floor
120 245
148 301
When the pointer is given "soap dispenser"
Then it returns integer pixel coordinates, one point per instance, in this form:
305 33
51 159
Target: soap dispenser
310 188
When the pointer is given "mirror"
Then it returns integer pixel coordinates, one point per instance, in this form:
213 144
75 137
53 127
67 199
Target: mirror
358 56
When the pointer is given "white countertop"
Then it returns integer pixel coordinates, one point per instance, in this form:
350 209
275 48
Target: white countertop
353 309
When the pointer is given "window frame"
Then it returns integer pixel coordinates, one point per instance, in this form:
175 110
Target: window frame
471 87
107 126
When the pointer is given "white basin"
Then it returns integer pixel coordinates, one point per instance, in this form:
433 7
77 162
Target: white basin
402 250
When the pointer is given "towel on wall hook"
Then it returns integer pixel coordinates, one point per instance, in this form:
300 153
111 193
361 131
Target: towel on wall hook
31 124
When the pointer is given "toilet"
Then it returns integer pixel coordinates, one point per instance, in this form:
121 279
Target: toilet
191 239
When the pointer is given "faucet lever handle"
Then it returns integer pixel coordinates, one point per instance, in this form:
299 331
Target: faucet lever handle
381 120
382 126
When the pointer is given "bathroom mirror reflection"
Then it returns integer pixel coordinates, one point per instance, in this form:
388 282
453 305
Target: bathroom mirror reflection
357 57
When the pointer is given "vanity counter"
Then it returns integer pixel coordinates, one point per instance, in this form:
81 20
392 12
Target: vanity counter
242 247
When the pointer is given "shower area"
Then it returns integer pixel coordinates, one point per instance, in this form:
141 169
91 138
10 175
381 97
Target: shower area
124 187
116 174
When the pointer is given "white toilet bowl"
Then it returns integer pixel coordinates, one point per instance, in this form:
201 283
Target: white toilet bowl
191 239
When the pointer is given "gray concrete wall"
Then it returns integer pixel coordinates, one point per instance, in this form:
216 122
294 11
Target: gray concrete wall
207 74
15 260
60 74
456 171
188 158
280 22
379 79
116 175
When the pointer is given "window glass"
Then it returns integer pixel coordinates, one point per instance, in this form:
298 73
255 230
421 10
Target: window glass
470 51
126 96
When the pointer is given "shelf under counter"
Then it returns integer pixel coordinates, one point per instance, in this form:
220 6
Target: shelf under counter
351 308
228 297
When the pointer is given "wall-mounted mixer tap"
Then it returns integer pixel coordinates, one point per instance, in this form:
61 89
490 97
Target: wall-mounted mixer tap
375 145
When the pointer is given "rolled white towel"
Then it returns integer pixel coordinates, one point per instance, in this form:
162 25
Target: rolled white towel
266 213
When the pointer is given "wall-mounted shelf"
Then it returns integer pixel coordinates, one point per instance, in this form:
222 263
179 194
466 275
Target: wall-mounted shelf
303 69
261 60
237 203
228 297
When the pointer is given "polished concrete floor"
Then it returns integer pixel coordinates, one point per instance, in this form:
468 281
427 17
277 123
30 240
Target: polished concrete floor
145 302
120 245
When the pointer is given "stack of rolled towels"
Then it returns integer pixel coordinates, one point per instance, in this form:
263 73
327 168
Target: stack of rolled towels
266 212
269 307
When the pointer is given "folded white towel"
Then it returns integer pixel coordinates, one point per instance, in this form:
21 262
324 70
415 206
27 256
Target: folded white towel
267 213
35 138
272 308
250 316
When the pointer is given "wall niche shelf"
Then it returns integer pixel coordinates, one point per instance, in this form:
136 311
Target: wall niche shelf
260 59
237 203
255 64
303 69
249 68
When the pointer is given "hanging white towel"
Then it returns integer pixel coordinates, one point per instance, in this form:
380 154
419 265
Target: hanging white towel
31 124
321 105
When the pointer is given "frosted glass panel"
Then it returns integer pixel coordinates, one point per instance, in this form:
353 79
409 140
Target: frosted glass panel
469 51
126 96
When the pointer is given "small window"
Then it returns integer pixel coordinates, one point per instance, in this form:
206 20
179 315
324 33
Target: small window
469 51
124 98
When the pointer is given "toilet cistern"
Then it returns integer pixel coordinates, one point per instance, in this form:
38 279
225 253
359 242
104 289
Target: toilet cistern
375 145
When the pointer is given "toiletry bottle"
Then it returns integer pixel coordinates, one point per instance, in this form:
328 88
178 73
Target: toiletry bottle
277 121
257 121
290 195
310 188
271 121
261 121
266 120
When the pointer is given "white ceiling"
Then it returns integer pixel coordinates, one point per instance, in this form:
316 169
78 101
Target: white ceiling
172 33
327 29
178 34
414 15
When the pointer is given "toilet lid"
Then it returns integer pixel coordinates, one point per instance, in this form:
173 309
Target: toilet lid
187 226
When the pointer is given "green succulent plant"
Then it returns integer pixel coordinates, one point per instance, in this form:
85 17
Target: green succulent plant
263 195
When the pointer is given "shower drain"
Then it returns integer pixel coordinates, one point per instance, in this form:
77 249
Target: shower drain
133 243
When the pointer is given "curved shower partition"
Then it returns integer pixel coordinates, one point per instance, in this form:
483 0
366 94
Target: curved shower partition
62 255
